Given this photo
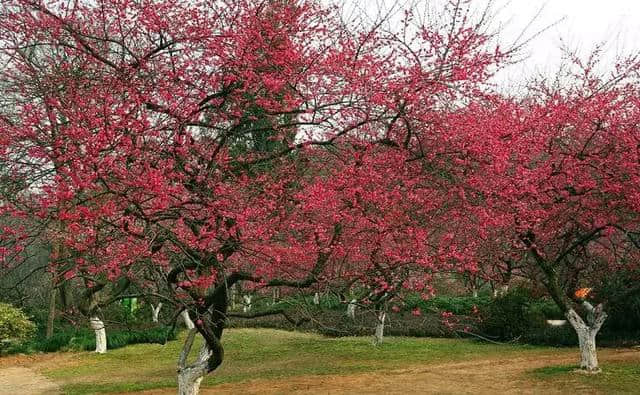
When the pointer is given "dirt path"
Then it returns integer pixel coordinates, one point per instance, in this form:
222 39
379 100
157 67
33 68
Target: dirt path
489 376
25 381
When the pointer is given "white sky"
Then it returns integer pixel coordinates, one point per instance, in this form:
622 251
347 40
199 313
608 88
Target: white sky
582 24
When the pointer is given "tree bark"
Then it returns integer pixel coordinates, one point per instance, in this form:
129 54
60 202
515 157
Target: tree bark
351 309
187 320
189 381
379 335
52 311
155 311
232 296
190 376
316 298
588 355
101 334
587 332
247 303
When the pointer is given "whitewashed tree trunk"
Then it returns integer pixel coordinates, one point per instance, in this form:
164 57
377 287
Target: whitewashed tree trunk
189 381
351 309
190 376
587 332
275 295
316 298
247 303
588 355
232 296
501 291
475 292
379 335
187 320
101 334
155 311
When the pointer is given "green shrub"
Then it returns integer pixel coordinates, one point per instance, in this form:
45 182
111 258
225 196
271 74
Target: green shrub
547 335
518 315
512 316
622 305
458 305
15 326
83 339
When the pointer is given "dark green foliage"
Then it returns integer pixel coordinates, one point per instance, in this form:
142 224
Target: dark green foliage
518 315
81 339
564 336
458 305
512 316
515 316
122 338
622 293
337 324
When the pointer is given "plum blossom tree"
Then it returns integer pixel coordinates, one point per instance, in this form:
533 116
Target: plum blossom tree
181 135
559 185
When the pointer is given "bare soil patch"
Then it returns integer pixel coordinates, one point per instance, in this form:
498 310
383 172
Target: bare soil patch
507 375
26 381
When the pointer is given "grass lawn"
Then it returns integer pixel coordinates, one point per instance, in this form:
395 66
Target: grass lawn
620 377
263 356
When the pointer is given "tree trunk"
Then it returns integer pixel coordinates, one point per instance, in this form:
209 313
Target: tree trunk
379 336
247 303
210 325
190 376
155 311
475 292
52 311
189 382
587 332
187 320
588 355
56 250
232 296
316 298
351 309
65 301
101 334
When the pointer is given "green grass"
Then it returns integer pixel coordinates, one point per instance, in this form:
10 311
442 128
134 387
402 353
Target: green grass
266 354
276 355
616 377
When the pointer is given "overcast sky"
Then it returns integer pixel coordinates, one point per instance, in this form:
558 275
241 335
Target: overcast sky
581 25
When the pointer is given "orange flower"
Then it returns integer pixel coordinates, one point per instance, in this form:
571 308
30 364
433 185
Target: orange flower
582 293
